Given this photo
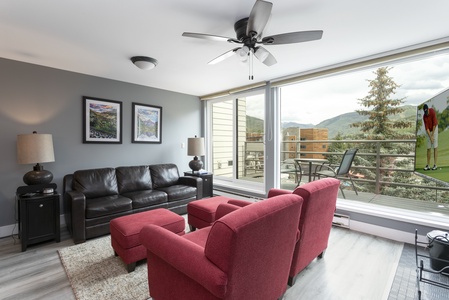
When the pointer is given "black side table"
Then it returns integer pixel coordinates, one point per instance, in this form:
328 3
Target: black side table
38 218
207 182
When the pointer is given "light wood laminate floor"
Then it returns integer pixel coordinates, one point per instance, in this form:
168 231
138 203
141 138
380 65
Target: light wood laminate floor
355 266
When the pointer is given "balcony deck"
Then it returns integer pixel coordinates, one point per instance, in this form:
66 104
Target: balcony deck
389 201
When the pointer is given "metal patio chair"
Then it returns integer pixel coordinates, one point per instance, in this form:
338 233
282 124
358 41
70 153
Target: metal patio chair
342 171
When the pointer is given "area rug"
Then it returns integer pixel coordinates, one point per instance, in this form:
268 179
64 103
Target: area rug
95 273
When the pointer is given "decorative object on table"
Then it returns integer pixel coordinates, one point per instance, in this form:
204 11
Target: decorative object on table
102 121
144 62
35 149
195 147
147 123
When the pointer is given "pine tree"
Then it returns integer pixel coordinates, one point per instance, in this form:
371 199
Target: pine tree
381 105
379 126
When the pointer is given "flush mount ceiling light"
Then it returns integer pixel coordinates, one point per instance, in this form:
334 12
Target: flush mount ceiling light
144 62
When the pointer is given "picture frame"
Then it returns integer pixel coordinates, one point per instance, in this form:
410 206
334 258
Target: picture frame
147 123
102 121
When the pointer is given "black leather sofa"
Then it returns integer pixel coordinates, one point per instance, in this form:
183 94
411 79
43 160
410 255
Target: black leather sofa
92 198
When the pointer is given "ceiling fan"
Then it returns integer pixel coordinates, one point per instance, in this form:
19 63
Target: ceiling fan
249 35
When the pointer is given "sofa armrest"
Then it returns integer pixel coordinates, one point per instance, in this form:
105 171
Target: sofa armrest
75 205
195 182
185 256
277 192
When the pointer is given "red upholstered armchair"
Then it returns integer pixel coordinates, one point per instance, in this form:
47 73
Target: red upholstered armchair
315 223
245 254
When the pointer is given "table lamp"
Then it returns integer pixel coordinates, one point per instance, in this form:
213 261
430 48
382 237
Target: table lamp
35 149
195 147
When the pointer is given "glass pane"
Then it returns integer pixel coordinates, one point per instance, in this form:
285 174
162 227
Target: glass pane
379 112
251 149
222 139
237 139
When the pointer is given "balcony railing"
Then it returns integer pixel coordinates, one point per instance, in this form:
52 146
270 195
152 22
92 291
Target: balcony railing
379 161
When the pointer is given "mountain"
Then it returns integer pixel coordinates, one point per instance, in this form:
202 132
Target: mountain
341 123
335 125
298 125
254 125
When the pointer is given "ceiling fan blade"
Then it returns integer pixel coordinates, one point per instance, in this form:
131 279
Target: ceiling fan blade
210 37
223 56
292 37
264 56
258 18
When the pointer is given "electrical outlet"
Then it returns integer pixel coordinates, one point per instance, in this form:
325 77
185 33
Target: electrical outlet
183 145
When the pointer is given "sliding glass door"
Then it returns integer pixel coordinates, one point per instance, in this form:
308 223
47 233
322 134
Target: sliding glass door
237 139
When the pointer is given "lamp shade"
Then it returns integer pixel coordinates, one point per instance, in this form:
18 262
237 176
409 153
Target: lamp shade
34 149
195 146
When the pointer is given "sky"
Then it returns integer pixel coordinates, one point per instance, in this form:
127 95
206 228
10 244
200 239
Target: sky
314 101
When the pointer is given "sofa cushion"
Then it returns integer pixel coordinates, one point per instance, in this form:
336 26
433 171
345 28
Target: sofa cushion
179 192
146 198
101 206
164 175
134 178
95 183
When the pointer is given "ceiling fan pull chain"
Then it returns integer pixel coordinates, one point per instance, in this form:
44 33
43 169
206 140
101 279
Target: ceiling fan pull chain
250 65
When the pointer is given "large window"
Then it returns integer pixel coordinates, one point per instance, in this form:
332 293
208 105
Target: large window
237 140
325 109
313 117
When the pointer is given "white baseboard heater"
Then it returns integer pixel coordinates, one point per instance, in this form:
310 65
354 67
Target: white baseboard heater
340 220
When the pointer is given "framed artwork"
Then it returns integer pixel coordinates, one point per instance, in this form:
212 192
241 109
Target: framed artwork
102 121
147 123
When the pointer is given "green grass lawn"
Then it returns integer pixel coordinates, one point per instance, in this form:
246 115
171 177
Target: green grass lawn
443 158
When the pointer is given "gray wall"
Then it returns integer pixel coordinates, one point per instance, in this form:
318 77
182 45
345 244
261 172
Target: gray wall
50 101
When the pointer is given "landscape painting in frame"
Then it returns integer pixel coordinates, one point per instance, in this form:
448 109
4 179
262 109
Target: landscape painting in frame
102 121
147 123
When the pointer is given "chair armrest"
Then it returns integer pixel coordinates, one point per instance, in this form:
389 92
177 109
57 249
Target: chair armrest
185 256
194 182
277 192
225 208
327 168
241 203
75 211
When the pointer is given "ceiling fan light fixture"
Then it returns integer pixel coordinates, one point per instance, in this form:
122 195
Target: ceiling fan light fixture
144 62
261 54
243 53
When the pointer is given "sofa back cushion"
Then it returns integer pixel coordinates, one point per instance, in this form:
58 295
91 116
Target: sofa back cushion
163 175
254 246
95 183
134 178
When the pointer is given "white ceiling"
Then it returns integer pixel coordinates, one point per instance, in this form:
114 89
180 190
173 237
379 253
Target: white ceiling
98 37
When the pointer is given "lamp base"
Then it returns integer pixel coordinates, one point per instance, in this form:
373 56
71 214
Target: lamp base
195 164
38 176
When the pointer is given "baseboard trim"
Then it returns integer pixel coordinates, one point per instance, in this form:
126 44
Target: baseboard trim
385 232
